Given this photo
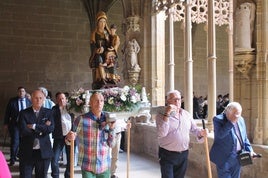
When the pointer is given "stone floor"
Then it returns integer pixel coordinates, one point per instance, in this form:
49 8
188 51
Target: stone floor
140 166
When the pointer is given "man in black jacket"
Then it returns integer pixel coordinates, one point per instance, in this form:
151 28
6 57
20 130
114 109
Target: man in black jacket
63 125
35 151
14 106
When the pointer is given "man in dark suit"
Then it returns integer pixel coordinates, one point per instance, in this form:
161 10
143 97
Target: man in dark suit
35 151
230 138
14 106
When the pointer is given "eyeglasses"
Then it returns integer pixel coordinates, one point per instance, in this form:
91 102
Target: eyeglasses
175 99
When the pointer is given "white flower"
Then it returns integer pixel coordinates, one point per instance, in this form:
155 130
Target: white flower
126 88
84 96
123 97
111 100
74 96
133 99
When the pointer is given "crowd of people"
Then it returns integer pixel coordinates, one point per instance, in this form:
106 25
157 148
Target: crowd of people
200 105
40 130
31 122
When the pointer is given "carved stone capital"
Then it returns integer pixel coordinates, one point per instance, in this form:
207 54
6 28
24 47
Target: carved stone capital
244 61
133 24
133 77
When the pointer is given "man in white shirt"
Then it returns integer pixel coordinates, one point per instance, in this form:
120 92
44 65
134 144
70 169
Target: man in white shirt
63 125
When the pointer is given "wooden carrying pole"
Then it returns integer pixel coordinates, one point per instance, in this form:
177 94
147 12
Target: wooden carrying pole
128 147
207 152
72 159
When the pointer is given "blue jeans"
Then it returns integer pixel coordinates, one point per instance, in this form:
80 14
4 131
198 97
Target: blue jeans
173 164
58 145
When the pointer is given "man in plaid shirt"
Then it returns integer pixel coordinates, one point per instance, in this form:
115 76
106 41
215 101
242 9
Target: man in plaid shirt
95 136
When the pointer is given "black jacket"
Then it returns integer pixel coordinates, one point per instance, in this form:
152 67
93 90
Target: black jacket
57 133
12 110
42 131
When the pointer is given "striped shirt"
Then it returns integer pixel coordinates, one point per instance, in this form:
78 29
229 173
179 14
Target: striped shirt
95 139
174 135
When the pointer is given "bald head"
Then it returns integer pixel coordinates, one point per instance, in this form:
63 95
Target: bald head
38 98
96 102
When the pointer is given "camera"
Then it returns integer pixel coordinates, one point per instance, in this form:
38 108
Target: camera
110 117
162 110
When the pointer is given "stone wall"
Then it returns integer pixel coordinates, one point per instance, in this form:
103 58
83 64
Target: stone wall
43 43
46 43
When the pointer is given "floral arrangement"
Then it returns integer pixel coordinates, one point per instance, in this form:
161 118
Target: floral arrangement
115 99
121 99
77 100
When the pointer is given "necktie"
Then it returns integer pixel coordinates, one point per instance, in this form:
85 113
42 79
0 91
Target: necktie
36 114
21 104
237 133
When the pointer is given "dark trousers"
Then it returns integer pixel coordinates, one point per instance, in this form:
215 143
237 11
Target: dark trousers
14 142
36 162
58 145
122 143
230 169
173 164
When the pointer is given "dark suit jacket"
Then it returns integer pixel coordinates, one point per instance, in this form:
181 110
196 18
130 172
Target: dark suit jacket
57 133
225 139
12 110
41 132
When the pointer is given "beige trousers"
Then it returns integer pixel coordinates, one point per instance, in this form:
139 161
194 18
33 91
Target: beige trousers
115 152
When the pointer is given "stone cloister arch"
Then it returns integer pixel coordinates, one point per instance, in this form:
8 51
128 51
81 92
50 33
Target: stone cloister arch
145 21
224 10
199 11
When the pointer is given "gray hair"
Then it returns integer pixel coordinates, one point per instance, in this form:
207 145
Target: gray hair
176 92
44 90
233 105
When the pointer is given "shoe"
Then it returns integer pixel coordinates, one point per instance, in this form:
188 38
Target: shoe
17 159
121 151
114 176
11 163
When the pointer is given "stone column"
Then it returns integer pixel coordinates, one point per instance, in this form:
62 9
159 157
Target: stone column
171 64
158 59
230 31
264 89
188 91
131 71
261 125
211 64
245 16
133 14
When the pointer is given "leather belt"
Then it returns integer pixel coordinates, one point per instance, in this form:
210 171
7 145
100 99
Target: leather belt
173 151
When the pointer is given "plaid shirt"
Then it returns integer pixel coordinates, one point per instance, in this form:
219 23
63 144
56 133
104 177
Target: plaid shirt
95 139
